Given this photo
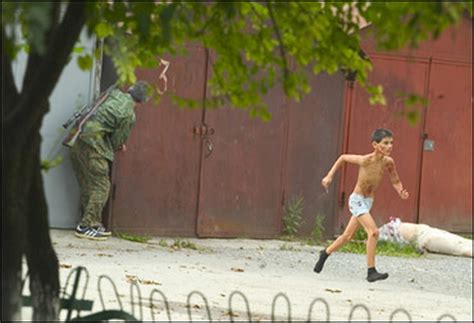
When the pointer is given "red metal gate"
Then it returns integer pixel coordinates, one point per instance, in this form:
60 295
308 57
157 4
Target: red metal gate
446 181
397 75
241 181
219 173
434 158
155 182
170 183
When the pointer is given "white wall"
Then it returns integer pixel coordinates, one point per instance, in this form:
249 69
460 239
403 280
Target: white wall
73 89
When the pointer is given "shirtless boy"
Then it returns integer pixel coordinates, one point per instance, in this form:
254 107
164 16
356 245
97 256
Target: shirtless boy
371 169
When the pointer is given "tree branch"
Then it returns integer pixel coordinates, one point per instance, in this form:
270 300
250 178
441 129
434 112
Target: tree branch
34 59
9 89
280 41
42 83
206 25
55 15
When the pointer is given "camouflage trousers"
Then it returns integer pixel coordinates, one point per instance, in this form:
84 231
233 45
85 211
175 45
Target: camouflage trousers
92 172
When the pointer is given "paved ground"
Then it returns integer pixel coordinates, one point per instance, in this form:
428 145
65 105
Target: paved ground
426 288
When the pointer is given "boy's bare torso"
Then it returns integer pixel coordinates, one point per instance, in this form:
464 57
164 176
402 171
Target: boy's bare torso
371 170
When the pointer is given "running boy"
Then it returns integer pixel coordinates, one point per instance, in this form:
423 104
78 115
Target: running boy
371 168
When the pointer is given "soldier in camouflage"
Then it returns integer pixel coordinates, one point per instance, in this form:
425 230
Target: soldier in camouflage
101 136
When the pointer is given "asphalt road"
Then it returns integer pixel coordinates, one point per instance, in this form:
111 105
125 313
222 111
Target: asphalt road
274 276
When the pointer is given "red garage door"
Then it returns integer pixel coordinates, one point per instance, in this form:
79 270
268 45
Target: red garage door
446 181
397 75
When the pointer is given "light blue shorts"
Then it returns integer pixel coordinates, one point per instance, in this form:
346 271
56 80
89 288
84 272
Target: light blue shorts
359 204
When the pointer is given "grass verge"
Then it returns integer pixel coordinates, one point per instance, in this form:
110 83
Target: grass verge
178 244
384 248
357 245
132 237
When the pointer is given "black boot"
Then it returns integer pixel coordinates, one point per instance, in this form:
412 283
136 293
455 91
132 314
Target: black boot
323 255
374 275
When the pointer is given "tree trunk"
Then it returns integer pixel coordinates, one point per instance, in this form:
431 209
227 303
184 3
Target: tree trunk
13 215
16 183
25 229
41 258
11 273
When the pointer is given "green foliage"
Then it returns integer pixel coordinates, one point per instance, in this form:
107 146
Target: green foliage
384 248
34 20
360 235
402 24
84 62
132 237
47 164
254 46
377 96
412 107
293 216
318 229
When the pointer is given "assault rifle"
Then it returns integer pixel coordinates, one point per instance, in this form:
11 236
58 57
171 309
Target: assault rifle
79 118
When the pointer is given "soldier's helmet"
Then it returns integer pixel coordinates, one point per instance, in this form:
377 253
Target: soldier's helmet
139 91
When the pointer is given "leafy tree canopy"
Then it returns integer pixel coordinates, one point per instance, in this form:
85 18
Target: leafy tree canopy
254 45
257 44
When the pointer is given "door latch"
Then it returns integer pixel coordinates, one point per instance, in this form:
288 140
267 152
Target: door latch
204 131
428 145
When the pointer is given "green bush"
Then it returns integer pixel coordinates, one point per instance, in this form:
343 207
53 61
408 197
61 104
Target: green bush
293 215
318 228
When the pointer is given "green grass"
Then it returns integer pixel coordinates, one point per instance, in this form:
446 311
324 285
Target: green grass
357 245
183 244
132 237
384 248
287 247
163 243
178 244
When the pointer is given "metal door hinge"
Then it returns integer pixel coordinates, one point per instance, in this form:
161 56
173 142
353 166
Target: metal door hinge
203 130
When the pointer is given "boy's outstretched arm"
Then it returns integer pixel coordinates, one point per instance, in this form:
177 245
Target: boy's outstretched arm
353 159
396 183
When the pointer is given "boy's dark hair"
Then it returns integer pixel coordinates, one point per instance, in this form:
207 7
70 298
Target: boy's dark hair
381 133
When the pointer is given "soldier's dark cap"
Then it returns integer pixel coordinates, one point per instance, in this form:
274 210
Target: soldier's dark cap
139 91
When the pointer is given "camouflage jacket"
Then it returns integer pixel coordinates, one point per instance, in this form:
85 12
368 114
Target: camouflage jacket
110 127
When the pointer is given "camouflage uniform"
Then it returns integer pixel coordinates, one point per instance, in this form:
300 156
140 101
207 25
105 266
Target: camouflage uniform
93 152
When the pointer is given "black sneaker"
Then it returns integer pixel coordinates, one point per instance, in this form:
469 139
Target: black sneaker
89 233
323 255
103 230
373 276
